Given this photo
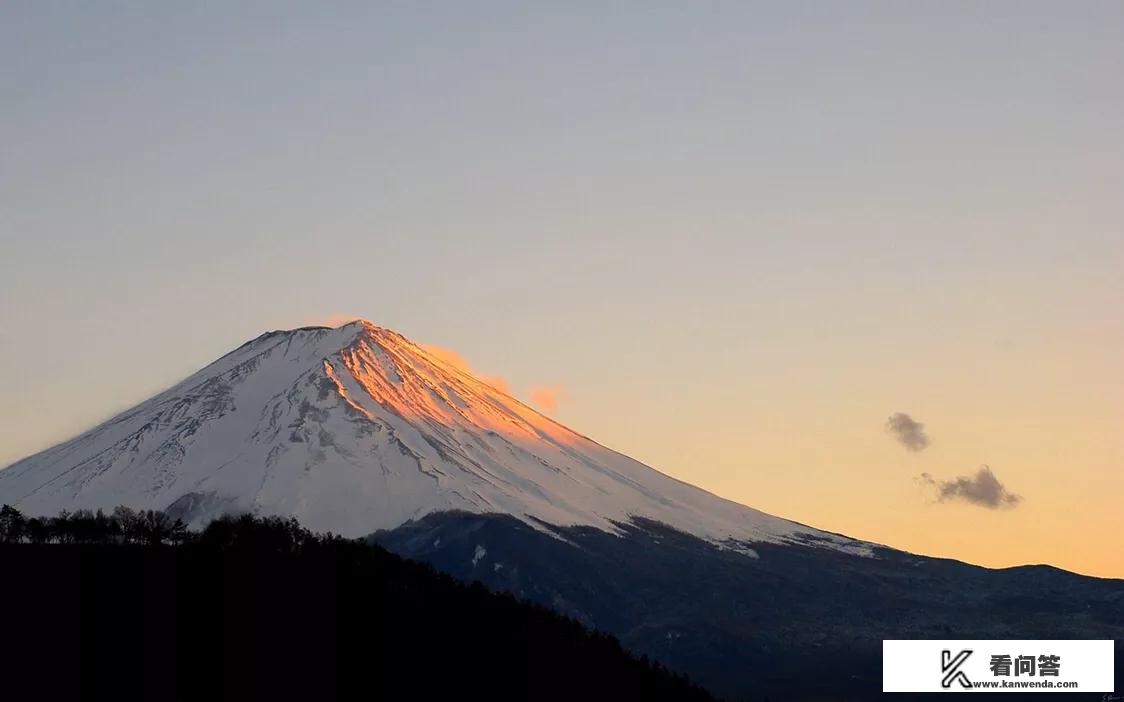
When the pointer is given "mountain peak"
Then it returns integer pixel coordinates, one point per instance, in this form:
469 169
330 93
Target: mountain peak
355 428
333 324
359 322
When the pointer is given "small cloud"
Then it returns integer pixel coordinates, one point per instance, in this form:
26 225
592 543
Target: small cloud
983 489
547 397
497 381
454 359
449 356
908 432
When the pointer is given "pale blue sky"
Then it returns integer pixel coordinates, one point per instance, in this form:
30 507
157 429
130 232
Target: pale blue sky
709 222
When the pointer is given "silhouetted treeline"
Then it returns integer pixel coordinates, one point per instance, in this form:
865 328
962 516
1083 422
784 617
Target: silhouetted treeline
83 526
133 605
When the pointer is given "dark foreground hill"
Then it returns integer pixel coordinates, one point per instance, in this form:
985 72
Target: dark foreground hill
262 609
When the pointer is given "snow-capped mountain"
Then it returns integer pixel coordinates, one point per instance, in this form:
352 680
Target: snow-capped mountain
357 429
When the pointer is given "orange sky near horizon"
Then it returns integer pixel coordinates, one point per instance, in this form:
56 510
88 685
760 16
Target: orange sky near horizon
829 462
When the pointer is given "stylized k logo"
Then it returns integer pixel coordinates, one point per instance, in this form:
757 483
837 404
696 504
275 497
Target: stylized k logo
950 667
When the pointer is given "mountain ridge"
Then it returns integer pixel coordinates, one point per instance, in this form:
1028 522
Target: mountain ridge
355 428
798 623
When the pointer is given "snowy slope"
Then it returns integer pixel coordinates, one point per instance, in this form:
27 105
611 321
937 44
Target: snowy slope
357 429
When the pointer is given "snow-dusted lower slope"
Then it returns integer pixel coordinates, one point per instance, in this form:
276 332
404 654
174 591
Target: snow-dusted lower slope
357 429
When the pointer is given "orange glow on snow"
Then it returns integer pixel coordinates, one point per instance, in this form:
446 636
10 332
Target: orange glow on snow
434 384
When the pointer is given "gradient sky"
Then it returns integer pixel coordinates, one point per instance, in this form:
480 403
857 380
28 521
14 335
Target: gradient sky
738 236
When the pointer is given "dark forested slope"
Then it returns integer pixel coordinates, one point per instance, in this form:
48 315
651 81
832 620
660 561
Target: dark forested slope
262 609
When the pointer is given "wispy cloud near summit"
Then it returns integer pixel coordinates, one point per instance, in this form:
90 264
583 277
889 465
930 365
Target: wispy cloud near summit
458 361
547 397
